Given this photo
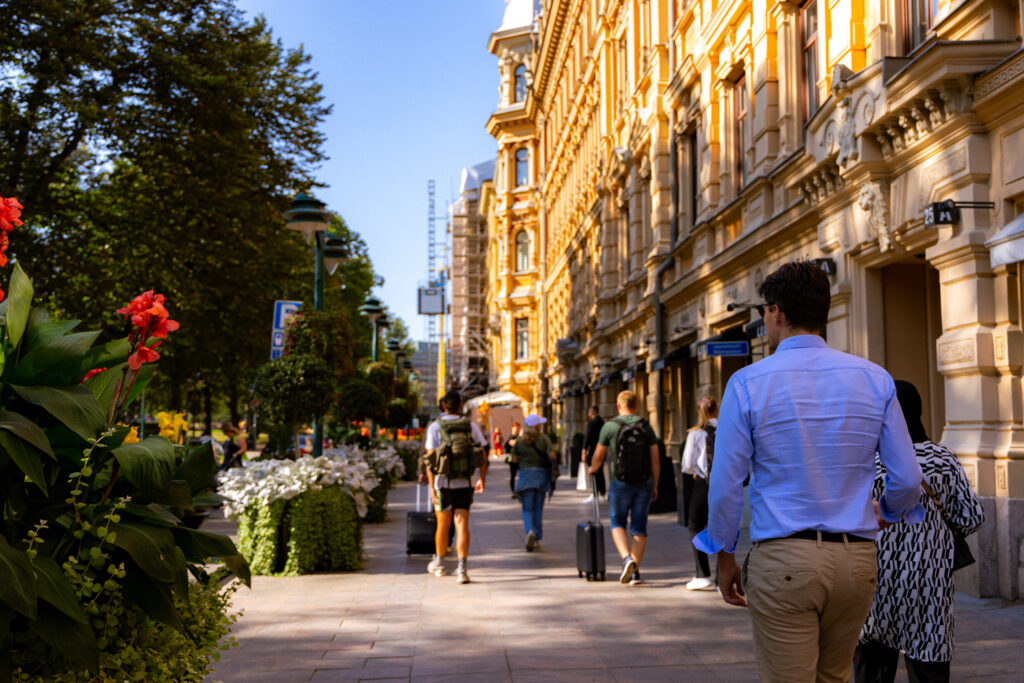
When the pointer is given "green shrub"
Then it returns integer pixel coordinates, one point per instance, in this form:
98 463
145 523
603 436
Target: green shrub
360 400
318 530
378 510
294 389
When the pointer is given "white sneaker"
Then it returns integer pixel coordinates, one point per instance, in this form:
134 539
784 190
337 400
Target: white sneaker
531 542
588 499
700 584
463 575
436 567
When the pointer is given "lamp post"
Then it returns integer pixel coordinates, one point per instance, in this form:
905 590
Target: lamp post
383 324
309 217
395 349
372 309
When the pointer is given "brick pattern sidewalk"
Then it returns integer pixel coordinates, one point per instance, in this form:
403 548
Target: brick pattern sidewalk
526 616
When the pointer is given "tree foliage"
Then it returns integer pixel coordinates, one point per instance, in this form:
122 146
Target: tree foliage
294 389
360 400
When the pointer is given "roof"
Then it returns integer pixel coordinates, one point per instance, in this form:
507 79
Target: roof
519 14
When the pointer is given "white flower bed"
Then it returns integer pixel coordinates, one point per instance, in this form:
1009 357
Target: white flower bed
384 460
264 481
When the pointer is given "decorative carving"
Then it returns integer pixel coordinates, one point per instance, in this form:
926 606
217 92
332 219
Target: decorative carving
884 141
934 106
1000 348
923 124
847 134
867 110
958 351
896 136
821 183
874 199
1002 75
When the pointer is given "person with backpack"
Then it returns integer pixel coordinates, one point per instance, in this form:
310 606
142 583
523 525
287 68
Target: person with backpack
698 452
455 452
532 453
634 483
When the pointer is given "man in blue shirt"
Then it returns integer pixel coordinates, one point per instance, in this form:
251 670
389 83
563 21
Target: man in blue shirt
807 421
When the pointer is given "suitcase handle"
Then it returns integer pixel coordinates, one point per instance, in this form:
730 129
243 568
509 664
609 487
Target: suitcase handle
597 503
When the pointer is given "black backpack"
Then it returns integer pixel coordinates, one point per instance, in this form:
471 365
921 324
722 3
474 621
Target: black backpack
709 445
632 452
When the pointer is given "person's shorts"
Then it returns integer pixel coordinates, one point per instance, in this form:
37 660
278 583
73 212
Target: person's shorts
632 500
456 499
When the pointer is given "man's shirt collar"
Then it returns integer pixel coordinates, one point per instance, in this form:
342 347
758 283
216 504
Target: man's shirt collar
801 341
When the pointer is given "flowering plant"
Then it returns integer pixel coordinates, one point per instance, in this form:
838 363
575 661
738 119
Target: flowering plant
384 460
173 426
265 481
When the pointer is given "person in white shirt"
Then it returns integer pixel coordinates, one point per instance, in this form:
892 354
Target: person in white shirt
697 454
453 495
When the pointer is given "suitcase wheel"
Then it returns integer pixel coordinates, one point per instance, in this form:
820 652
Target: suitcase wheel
580 572
602 576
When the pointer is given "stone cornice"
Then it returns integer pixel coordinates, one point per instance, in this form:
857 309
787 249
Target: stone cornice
1009 71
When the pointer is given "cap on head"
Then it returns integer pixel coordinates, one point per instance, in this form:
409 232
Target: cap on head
532 420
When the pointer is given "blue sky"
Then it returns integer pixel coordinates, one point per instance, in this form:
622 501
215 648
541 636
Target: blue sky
412 85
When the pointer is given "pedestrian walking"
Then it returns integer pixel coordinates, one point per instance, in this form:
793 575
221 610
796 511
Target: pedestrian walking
532 453
499 444
808 419
913 607
635 469
233 446
593 435
513 467
455 449
698 452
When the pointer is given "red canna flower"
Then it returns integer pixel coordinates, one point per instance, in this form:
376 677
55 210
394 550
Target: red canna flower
10 213
94 371
150 318
143 355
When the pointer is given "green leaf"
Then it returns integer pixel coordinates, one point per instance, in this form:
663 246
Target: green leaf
54 588
26 429
152 597
55 363
200 546
106 355
178 496
207 499
238 566
26 458
74 640
198 468
19 301
75 406
152 548
152 514
17 582
41 332
145 374
104 384
148 465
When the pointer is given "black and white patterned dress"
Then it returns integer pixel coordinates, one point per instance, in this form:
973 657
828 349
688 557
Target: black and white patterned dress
913 608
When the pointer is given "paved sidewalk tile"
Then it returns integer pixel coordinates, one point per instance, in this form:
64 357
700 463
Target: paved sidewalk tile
527 617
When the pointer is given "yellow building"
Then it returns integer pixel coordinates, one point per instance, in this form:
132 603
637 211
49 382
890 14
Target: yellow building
681 150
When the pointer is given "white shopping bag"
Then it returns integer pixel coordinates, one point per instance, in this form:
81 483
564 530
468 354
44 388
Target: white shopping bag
581 478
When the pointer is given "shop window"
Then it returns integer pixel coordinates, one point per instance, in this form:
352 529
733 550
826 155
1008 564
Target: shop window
522 251
519 92
917 19
809 67
522 338
522 167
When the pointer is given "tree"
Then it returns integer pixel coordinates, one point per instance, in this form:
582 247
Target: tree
360 400
293 390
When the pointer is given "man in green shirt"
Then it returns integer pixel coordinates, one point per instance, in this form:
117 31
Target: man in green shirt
634 483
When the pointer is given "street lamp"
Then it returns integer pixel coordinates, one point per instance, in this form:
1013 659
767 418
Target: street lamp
309 218
395 349
372 309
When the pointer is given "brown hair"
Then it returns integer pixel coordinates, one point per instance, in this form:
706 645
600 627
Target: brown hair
626 399
228 428
707 408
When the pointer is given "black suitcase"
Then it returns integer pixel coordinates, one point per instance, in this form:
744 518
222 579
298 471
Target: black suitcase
419 529
590 544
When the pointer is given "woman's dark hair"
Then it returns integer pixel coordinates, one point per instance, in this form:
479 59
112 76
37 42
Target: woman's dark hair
802 291
910 403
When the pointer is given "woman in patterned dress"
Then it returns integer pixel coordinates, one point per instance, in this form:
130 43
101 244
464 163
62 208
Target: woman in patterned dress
913 608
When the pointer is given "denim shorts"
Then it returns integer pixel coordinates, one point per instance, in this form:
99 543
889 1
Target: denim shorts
633 500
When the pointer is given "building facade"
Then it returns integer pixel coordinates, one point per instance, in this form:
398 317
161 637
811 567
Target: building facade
424 363
680 150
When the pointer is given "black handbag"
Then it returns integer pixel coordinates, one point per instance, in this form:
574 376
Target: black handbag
962 555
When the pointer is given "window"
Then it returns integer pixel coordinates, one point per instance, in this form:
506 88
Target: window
522 167
519 93
688 179
739 97
809 93
917 18
522 251
522 338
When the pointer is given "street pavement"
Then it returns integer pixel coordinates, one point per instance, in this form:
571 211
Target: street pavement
527 616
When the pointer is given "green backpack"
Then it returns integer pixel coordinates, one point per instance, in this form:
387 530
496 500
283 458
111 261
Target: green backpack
456 457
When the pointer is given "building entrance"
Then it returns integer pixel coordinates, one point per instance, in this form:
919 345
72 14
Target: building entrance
912 324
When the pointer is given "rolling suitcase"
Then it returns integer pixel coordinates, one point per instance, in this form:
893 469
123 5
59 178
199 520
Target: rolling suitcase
419 529
590 544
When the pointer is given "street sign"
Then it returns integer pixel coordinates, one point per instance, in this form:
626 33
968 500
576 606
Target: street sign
941 213
282 311
728 348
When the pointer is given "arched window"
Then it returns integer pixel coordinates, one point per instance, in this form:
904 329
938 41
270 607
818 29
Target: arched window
522 251
519 92
522 166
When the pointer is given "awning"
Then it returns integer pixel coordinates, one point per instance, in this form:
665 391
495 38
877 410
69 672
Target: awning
495 398
755 329
673 355
1007 245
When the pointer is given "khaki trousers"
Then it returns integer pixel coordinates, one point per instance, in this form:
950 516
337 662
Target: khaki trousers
808 601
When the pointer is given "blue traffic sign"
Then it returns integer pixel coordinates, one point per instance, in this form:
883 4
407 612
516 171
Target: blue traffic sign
728 348
282 311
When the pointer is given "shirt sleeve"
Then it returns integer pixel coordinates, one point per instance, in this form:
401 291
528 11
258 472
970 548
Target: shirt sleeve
433 438
734 448
689 462
478 434
609 430
901 500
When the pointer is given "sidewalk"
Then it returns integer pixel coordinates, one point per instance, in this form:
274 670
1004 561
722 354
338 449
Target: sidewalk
526 616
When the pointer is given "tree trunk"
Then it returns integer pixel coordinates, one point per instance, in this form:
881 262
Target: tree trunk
208 408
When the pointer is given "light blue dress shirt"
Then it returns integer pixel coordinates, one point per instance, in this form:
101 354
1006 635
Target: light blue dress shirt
808 421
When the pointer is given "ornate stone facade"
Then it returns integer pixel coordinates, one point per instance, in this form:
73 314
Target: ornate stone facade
682 149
